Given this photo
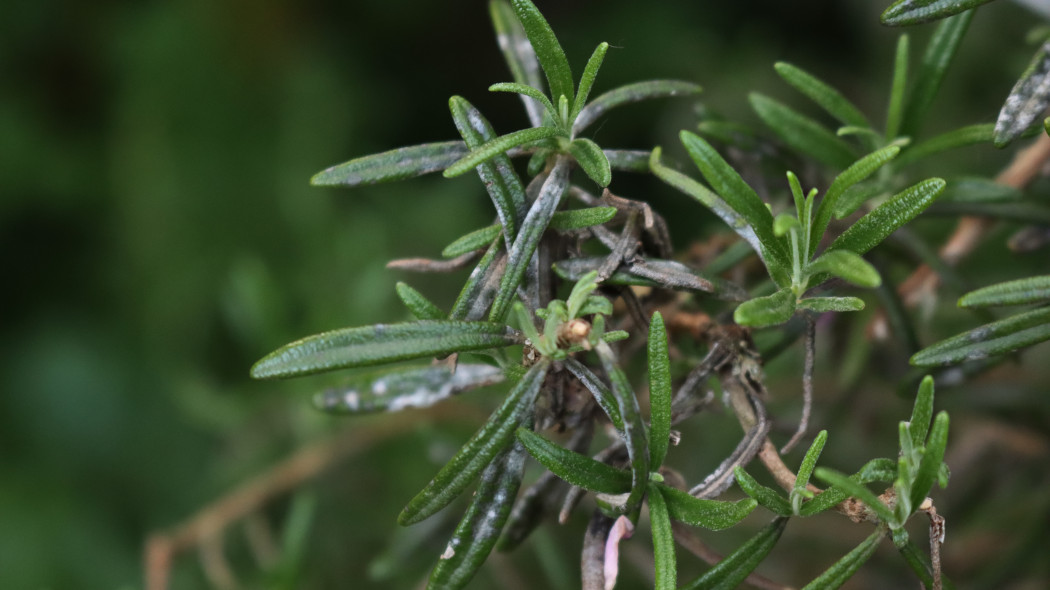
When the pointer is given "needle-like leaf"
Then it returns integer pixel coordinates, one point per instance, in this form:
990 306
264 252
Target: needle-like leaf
393 390
914 12
549 52
932 457
714 515
1018 292
963 136
629 93
634 433
418 304
992 339
497 146
765 496
770 310
592 160
659 391
397 164
518 53
846 265
663 541
826 304
836 575
829 99
579 470
587 80
378 344
1028 99
731 571
858 491
877 225
581 218
802 133
939 54
480 450
477 239
601 392
857 172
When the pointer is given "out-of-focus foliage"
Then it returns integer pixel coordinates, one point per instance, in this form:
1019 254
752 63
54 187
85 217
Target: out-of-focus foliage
159 235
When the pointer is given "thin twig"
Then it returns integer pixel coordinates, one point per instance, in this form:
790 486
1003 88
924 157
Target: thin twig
430 265
807 385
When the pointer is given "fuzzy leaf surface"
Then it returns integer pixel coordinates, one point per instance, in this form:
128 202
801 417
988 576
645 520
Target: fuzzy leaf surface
398 164
848 266
1018 292
635 437
858 171
497 146
418 304
713 515
826 304
393 390
827 97
518 53
630 93
1000 337
477 239
930 466
1027 100
802 133
663 541
836 575
579 470
592 160
548 50
480 450
731 571
765 496
915 12
590 72
659 391
770 310
581 218
378 344
878 224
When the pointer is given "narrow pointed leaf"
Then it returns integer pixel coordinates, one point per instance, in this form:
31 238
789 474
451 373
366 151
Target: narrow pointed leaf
378 344
738 195
846 265
895 110
714 515
498 174
659 391
518 53
922 412
630 93
828 98
858 171
974 189
399 164
497 146
581 218
475 240
628 160
601 392
579 470
774 260
836 575
809 462
529 235
930 466
480 450
587 79
548 51
921 565
802 133
634 433
649 272
855 197
883 470
857 490
592 160
915 12
770 310
939 54
1027 101
418 304
663 541
1001 337
738 565
478 531
393 390
950 140
526 90
482 284
765 496
826 304
877 225
1018 292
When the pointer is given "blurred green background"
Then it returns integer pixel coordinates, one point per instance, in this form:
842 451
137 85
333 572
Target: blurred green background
159 235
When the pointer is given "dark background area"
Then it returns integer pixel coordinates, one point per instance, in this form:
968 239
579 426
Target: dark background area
158 235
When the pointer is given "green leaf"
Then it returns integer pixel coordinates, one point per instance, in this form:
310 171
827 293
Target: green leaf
475 240
878 224
921 565
587 80
602 395
884 470
974 189
1028 99
1001 337
826 304
479 451
809 462
922 412
478 531
418 304
628 160
825 96
836 575
785 222
659 391
630 93
579 470
932 457
770 310
846 265
528 91
855 196
663 541
915 12
393 390
548 50
857 172
775 259
498 174
895 111
736 566
767 497
956 138
497 146
1017 292
738 195
481 285
714 515
802 133
939 54
518 53
529 236
592 160
581 218
635 437
398 164
378 344
858 491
